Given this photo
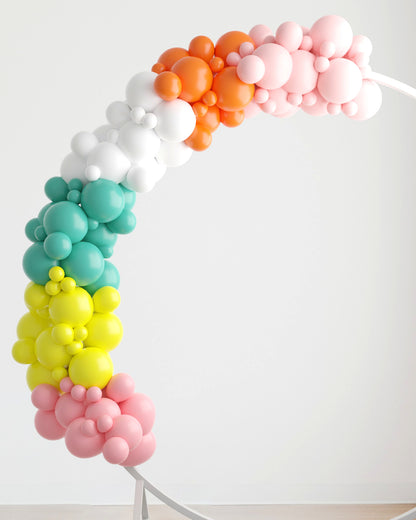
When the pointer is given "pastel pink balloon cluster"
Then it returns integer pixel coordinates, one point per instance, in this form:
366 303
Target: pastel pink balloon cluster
322 70
115 421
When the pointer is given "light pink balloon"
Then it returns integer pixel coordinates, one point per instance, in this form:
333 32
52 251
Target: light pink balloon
279 96
104 423
319 108
304 76
278 64
142 408
44 397
67 410
128 428
307 43
142 452
360 44
268 106
115 450
341 82
258 33
120 387
78 392
289 113
66 384
81 445
332 28
94 394
368 100
251 110
88 428
47 426
251 69
105 406
289 35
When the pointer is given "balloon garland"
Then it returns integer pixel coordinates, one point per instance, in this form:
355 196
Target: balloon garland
169 112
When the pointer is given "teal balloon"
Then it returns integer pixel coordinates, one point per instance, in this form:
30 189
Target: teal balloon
74 196
124 224
36 264
68 218
75 184
85 264
56 189
31 227
110 277
42 212
40 233
129 197
57 245
103 238
102 200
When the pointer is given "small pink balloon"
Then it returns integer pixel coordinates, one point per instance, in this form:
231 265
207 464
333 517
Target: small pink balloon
304 76
88 428
233 59
309 99
104 423
245 49
341 82
81 445
350 108
128 428
360 44
270 39
67 410
307 43
294 99
289 35
142 452
334 109
251 69
120 387
115 450
258 33
66 384
368 100
251 110
289 113
321 64
269 106
142 408
44 397
94 394
279 96
78 392
361 60
47 426
261 95
319 108
278 63
334 29
105 406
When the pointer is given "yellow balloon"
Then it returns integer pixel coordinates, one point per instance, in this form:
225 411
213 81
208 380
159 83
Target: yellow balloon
31 325
35 296
106 299
49 353
62 334
37 374
23 351
74 308
91 367
104 331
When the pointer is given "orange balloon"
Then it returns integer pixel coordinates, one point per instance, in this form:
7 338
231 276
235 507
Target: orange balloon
168 85
232 119
209 98
158 68
196 77
211 119
231 92
200 139
216 64
199 109
171 56
230 42
202 47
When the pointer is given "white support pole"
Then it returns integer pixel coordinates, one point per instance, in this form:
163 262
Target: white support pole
409 515
392 83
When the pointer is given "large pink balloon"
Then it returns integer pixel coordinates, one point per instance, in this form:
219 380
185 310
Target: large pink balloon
320 108
278 64
104 406
128 428
44 397
67 410
142 408
120 387
115 450
142 452
82 445
303 77
341 82
47 425
334 29
289 35
368 100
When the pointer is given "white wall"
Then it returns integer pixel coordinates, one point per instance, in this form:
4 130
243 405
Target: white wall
269 290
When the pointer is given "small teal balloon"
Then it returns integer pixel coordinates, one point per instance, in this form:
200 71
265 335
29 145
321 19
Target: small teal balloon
31 227
74 196
56 189
68 218
40 233
42 212
110 277
129 197
57 245
36 264
85 264
124 224
75 184
102 200
103 238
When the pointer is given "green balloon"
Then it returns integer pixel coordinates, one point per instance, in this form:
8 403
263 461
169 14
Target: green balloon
102 200
129 197
110 277
56 189
57 245
124 224
30 229
85 264
103 238
66 217
36 264
43 211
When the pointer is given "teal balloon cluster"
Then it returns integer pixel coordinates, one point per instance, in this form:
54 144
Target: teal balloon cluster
78 231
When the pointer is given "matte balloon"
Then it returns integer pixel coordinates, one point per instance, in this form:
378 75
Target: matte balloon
85 263
341 82
304 76
278 65
56 189
142 408
37 374
110 276
66 217
47 426
68 409
82 445
368 100
110 161
115 450
23 351
36 264
44 397
83 143
104 331
128 428
124 223
142 452
120 387
333 29
175 120
31 325
102 200
103 238
173 154
118 113
140 91
57 245
137 142
74 308
91 367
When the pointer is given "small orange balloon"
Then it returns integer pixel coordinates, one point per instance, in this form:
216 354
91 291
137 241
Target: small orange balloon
216 64
230 42
199 109
196 77
202 47
168 85
211 119
200 139
232 119
209 98
231 92
171 56
158 68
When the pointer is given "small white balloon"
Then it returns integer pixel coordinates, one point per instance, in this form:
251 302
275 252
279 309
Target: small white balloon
137 114
137 142
83 142
73 167
173 154
140 91
149 120
102 132
175 120
118 113
110 160
142 177
92 173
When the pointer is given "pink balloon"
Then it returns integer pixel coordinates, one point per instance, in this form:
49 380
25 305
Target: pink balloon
341 82
120 387
289 35
333 29
103 407
251 109
67 410
78 392
142 452
128 428
304 76
368 100
88 428
115 450
278 63
360 44
258 33
44 397
94 394
251 69
142 408
66 384
104 423
319 108
81 445
279 96
47 425
307 43
289 113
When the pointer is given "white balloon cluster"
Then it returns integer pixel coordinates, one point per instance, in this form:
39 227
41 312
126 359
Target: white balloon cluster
145 135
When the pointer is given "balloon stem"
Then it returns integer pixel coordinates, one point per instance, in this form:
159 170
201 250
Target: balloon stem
392 83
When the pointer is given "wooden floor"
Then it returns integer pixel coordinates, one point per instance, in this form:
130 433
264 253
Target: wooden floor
261 512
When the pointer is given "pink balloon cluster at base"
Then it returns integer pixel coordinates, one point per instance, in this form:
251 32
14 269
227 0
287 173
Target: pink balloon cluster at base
322 70
114 421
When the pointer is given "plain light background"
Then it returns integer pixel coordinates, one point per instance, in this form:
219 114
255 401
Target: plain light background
269 289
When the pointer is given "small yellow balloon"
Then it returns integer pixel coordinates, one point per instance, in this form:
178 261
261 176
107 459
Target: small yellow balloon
23 351
80 333
56 274
37 374
74 308
91 367
31 325
106 299
49 353
36 296
59 373
53 288
68 284
104 331
62 333
74 347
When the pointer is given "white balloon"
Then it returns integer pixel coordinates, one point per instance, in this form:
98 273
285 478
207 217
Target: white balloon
83 143
175 120
173 154
143 176
140 91
102 132
111 161
137 142
73 167
118 113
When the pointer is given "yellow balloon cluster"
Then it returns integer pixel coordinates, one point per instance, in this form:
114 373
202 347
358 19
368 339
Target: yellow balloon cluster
66 332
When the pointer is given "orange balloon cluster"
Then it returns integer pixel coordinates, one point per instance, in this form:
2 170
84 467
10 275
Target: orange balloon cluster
201 77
